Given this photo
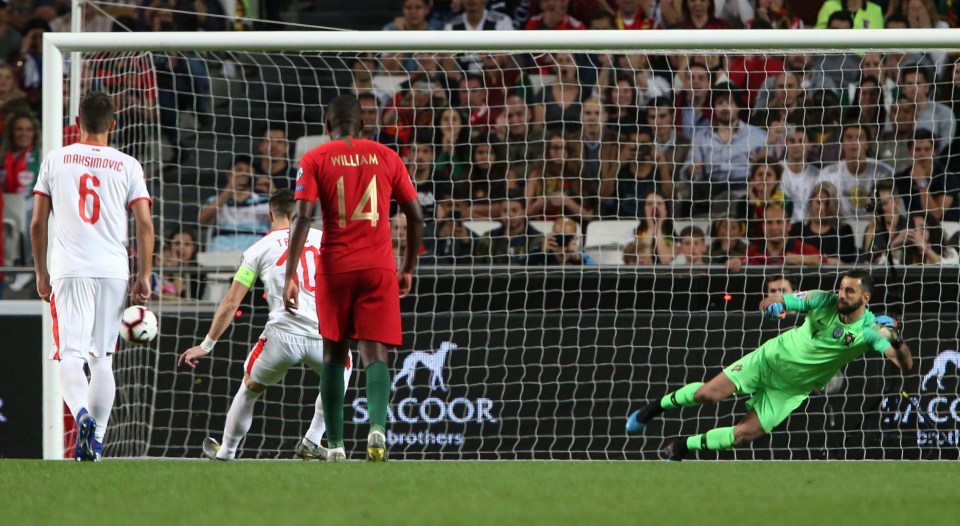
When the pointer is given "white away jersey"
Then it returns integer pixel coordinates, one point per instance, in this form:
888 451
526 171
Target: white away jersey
90 188
268 259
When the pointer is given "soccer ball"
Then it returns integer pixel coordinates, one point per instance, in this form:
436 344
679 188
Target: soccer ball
138 324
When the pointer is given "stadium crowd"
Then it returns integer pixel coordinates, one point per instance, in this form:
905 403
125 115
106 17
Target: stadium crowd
731 160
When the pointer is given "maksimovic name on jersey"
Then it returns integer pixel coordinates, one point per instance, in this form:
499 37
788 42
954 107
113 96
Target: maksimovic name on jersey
93 162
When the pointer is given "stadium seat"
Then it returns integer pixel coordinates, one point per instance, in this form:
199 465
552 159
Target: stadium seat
305 144
605 240
610 232
949 229
218 283
481 228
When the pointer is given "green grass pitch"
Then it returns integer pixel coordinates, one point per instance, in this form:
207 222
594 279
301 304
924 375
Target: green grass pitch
135 492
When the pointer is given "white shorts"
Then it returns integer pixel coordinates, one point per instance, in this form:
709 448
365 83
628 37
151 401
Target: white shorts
277 351
86 316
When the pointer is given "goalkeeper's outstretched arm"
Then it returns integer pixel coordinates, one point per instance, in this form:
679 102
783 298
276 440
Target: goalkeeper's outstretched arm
899 354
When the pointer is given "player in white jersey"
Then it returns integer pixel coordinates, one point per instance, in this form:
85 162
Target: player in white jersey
287 339
89 187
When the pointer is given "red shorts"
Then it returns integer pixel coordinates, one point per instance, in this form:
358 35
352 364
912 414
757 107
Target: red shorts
362 305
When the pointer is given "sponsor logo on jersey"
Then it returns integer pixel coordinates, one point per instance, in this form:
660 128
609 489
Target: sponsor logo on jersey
443 408
838 332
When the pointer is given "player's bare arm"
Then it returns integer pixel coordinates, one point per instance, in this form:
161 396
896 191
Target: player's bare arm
299 227
221 321
900 356
39 226
414 239
140 291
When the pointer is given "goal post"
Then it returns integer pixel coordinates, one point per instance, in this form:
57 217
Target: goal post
500 360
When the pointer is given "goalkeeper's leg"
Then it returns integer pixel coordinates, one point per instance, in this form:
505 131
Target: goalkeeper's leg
718 439
717 389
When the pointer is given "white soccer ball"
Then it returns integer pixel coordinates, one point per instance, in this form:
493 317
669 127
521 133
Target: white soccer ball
138 324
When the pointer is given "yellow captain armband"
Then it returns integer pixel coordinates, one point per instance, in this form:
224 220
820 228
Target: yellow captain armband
245 276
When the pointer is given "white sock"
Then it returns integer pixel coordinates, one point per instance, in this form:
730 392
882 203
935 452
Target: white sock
73 383
239 419
103 391
317 427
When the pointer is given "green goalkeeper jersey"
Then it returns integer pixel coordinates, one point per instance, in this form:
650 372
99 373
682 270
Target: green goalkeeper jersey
809 355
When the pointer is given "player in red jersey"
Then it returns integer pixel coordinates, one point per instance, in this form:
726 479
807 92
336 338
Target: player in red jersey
358 286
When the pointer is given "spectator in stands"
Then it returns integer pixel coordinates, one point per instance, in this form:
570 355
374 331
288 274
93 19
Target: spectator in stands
621 101
776 247
786 95
672 146
863 13
887 227
637 252
925 243
514 239
635 175
20 154
415 17
23 12
171 280
775 14
924 185
562 98
10 94
474 104
27 62
823 229
693 97
447 241
553 16
701 14
812 79
692 247
556 191
240 216
727 240
362 70
631 15
94 21
487 178
868 106
601 19
799 175
915 84
524 140
721 155
274 158
587 147
763 188
778 285
855 175
891 145
421 166
475 17
948 87
183 83
656 229
9 36
370 113
414 108
454 141
919 14
562 246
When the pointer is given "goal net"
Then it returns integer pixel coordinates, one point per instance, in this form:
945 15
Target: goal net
604 213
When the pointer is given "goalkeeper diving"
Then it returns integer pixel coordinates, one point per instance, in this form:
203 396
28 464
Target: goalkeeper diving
783 372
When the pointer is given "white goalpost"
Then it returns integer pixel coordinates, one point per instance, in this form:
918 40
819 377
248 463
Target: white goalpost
509 357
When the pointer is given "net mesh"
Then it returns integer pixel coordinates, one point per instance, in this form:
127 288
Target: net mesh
600 228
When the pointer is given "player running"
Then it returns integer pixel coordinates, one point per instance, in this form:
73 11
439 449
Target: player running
781 374
358 285
287 339
90 186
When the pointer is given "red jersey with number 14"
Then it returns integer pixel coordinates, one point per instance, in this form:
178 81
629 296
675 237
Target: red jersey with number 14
354 180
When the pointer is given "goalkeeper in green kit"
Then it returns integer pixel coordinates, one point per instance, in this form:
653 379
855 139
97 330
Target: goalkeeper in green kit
783 372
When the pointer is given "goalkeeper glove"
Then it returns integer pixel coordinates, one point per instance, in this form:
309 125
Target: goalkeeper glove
774 311
886 321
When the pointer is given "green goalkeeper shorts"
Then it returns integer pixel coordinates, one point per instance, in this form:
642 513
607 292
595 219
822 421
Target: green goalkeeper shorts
772 402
